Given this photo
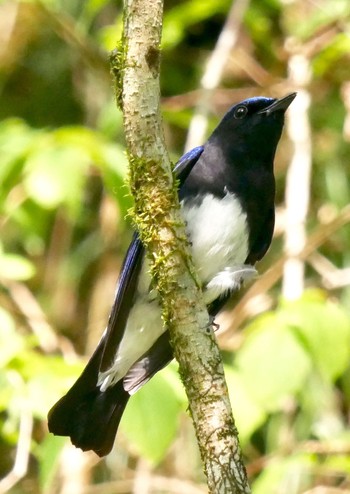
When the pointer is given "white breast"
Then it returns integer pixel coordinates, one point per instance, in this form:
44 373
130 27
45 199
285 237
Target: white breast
217 229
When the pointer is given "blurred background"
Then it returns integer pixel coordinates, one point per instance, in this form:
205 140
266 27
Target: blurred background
64 230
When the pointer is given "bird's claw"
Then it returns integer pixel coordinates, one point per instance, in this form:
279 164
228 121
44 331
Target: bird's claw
214 324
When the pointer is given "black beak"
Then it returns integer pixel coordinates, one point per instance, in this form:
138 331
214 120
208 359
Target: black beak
279 104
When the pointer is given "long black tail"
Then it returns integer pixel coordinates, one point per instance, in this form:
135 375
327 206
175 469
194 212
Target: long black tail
90 417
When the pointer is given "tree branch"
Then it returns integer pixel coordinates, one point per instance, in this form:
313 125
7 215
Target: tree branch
159 221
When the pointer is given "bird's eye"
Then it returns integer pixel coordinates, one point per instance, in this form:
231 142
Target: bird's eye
241 112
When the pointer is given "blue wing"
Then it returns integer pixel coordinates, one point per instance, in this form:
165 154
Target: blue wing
89 416
185 164
122 304
130 273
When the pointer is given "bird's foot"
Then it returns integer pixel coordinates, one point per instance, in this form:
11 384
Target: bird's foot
213 324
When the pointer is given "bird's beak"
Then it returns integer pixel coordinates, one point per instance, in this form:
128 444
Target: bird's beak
279 104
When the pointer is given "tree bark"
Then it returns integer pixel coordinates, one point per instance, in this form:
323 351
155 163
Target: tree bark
158 218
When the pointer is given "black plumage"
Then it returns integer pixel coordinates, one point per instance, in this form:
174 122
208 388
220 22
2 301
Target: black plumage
227 191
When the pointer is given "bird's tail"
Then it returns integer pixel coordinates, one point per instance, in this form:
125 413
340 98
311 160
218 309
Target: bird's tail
89 416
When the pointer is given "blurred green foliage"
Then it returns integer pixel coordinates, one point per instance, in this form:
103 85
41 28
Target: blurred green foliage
63 205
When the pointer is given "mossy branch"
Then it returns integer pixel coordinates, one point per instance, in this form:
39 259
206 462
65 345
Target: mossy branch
158 218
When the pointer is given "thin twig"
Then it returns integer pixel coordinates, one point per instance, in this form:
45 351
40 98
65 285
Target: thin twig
35 317
332 277
20 466
75 469
214 71
142 480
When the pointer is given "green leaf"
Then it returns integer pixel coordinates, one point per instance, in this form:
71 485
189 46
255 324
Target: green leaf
324 329
47 379
185 14
272 362
10 342
150 419
341 461
248 414
338 48
6 389
56 175
319 406
49 454
15 141
284 475
15 267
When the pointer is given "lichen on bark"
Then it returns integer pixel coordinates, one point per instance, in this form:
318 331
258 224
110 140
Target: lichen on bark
117 64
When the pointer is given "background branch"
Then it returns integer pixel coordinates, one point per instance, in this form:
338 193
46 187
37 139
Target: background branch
298 181
20 465
214 71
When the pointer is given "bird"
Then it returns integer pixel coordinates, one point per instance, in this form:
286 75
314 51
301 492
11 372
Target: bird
226 191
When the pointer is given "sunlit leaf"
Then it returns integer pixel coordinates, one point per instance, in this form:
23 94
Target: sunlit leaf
150 421
185 14
272 362
56 175
47 379
324 329
10 342
15 141
6 389
285 474
49 455
335 51
15 267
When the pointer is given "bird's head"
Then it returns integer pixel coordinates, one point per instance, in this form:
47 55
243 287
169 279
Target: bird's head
253 125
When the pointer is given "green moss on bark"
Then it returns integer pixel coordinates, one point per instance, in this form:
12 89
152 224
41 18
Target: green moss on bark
167 246
117 59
